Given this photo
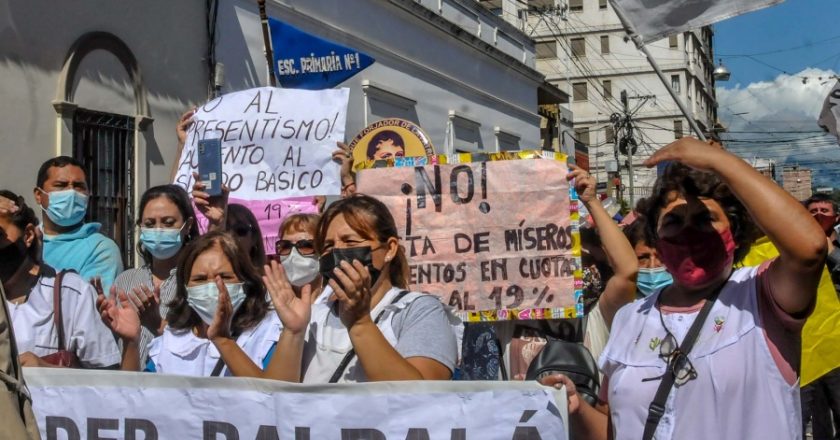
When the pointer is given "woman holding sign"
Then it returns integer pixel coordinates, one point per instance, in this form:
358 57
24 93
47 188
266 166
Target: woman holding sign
218 324
716 353
369 328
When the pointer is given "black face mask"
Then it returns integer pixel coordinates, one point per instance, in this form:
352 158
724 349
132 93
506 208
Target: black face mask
11 257
333 259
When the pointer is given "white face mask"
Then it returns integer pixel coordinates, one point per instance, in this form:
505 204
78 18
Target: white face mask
300 270
204 299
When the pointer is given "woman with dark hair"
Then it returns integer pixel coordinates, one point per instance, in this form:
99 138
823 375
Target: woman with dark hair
167 223
716 353
48 333
371 328
234 218
653 275
218 322
242 223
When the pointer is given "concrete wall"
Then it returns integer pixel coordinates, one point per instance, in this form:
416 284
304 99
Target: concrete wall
168 40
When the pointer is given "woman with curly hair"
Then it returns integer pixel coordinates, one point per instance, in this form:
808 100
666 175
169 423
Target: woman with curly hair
716 353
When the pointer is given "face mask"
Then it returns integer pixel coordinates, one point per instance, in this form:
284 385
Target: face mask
696 257
651 280
300 270
11 257
66 208
204 299
826 222
162 243
333 259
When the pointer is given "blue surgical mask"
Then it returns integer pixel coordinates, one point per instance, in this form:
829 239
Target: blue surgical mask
651 280
67 207
204 299
162 243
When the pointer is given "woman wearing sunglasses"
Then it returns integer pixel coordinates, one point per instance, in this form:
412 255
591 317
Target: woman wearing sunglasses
733 374
369 327
296 252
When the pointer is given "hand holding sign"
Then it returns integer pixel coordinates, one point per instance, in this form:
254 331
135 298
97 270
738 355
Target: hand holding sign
212 208
584 183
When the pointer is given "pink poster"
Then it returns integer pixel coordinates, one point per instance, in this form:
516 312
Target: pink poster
495 240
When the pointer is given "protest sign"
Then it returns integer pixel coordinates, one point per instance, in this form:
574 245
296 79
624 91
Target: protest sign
388 139
277 146
495 239
79 404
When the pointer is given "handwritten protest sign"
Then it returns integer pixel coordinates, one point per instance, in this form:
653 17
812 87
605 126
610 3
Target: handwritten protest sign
495 239
277 147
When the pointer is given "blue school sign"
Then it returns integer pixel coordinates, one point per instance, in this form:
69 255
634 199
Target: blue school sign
304 61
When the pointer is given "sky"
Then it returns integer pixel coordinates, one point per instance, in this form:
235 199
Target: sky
782 60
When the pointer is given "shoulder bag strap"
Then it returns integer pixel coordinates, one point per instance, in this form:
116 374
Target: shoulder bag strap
657 407
57 310
217 370
352 353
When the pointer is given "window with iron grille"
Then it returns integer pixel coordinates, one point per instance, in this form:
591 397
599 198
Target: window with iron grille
607 89
576 5
104 143
678 129
602 4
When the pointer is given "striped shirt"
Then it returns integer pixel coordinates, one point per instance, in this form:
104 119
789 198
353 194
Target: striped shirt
143 276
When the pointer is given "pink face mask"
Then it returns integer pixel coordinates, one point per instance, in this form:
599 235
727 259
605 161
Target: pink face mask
696 257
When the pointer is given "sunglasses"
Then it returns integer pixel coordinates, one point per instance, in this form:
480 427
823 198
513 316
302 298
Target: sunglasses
304 247
677 361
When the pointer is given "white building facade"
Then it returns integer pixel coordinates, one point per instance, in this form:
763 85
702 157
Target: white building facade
105 82
581 47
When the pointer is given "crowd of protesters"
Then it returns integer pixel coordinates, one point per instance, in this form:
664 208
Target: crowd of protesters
688 342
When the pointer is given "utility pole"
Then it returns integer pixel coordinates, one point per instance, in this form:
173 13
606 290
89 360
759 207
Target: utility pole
630 148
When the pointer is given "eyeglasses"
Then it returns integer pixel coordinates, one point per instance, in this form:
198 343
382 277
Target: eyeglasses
678 362
304 247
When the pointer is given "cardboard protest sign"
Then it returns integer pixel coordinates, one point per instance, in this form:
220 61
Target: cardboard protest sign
277 149
388 139
495 239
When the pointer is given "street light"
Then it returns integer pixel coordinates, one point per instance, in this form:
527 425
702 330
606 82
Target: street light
721 73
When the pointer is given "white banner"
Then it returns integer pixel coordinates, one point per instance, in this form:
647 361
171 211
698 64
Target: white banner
78 404
276 143
830 113
655 19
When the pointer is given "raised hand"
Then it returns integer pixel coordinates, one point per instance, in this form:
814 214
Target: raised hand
353 292
220 327
213 208
584 184
294 312
344 157
7 206
183 125
691 152
147 303
123 320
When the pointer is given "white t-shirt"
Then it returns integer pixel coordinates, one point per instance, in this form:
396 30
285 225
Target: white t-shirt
183 353
84 332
